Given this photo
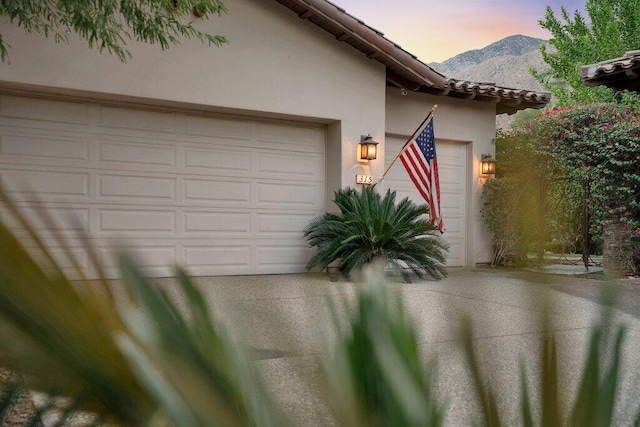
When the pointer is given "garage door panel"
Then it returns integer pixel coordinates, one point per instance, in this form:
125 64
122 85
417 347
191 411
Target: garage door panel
44 110
218 161
217 224
37 147
282 224
136 222
154 260
282 257
450 177
456 249
293 138
80 258
217 192
284 195
79 255
138 120
400 184
453 155
290 166
45 185
233 130
288 139
211 258
455 224
136 155
67 222
142 188
453 202
411 194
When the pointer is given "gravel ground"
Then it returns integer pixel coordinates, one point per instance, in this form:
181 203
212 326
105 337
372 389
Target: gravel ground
20 412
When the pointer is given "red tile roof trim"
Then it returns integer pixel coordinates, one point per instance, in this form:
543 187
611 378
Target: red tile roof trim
619 73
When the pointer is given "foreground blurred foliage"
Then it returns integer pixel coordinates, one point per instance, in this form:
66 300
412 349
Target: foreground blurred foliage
145 362
137 362
376 376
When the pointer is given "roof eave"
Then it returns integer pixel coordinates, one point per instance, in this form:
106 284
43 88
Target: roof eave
372 43
618 74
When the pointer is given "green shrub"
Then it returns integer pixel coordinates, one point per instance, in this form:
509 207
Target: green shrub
600 144
370 226
568 154
505 212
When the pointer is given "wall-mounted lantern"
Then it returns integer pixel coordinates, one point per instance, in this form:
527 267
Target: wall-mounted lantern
367 149
487 165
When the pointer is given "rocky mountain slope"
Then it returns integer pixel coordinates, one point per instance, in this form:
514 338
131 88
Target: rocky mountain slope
504 63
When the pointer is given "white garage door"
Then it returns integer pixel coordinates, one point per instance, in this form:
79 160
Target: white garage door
218 195
452 168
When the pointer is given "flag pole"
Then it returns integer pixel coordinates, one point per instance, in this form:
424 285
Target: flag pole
408 141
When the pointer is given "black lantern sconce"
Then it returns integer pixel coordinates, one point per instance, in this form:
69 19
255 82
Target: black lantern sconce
487 165
367 149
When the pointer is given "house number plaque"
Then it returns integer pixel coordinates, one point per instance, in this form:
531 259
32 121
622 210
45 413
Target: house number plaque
364 179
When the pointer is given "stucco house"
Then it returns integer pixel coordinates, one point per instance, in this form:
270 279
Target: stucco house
216 158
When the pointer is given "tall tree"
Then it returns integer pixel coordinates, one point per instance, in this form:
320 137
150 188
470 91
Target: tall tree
611 28
110 24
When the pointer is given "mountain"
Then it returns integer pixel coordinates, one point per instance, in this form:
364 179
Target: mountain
504 63
508 70
512 46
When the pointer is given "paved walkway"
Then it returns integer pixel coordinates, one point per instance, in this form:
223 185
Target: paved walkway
286 318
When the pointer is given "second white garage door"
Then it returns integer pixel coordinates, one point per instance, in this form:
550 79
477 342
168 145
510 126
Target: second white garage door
452 161
218 195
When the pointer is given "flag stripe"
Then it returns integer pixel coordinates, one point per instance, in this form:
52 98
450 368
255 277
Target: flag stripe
425 167
418 174
436 184
422 190
416 171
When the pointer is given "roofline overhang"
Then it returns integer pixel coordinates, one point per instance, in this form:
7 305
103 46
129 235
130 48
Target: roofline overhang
619 73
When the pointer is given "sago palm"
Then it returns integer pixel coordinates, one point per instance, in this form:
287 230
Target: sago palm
370 226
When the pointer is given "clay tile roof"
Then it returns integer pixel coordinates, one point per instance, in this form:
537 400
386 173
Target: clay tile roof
619 73
405 70
508 99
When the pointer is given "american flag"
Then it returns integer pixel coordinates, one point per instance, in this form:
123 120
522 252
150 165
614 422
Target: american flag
419 159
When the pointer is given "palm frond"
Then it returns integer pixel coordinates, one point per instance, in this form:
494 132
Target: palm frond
376 376
371 226
141 360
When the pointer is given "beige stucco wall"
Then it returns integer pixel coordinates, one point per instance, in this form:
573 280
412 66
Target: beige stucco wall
275 64
469 122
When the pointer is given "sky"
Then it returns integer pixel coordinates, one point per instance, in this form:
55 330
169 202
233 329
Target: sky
435 30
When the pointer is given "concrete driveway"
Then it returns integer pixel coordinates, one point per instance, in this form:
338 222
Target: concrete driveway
286 318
